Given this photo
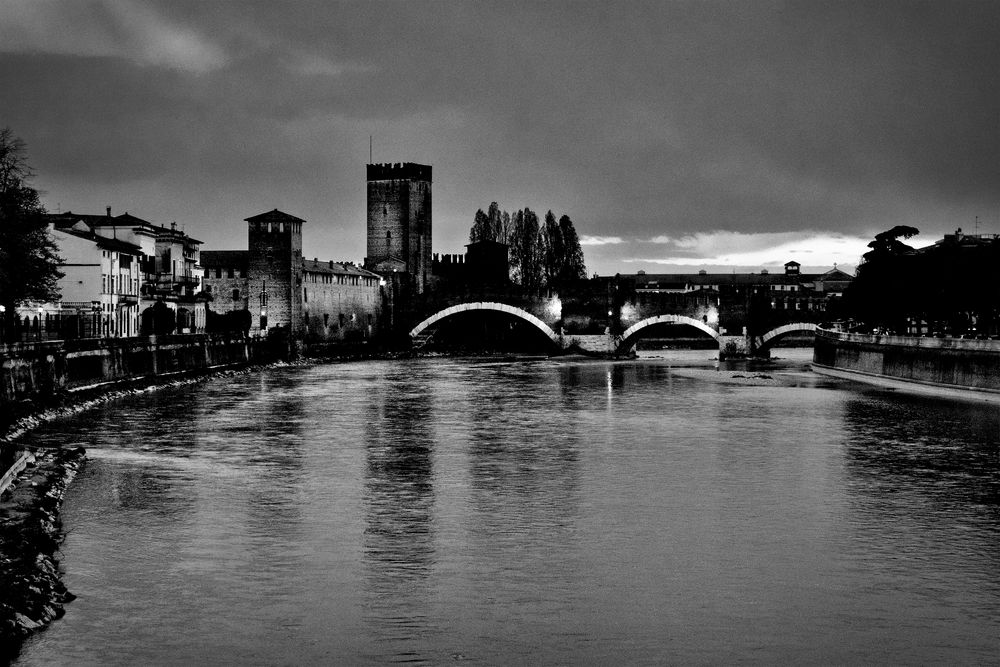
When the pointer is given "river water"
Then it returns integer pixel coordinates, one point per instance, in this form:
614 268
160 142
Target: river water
529 512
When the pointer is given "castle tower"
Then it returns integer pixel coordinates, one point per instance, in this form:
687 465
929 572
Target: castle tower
399 221
274 270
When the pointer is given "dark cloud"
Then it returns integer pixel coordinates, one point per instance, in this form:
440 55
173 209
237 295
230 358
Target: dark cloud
638 119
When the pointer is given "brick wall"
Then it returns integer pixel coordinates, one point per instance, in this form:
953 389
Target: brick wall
274 268
399 218
342 310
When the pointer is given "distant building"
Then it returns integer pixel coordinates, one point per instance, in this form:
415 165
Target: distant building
791 290
399 223
273 286
116 269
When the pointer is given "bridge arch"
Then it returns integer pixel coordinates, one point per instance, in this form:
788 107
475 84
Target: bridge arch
486 305
633 330
765 340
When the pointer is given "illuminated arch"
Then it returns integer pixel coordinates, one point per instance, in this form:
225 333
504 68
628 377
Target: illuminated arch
633 330
766 339
484 305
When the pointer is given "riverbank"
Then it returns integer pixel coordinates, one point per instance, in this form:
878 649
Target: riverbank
951 367
32 593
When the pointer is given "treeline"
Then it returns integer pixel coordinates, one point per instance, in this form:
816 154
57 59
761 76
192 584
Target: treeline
951 288
539 253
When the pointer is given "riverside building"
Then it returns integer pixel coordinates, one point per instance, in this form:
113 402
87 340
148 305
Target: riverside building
271 285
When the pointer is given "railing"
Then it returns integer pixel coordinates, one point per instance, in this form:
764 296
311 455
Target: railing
20 464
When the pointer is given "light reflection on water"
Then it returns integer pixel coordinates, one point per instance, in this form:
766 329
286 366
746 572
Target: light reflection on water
556 512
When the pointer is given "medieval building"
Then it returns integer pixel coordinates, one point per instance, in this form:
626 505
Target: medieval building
399 224
271 285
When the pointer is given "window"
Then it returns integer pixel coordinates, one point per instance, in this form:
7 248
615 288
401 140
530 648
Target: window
218 272
231 273
236 295
326 319
305 295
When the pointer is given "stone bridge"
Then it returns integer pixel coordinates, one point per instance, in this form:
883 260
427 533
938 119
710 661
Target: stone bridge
609 316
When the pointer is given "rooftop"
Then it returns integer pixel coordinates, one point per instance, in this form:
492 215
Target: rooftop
274 216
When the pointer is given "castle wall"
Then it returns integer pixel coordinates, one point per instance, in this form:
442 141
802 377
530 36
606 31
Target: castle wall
222 292
338 307
419 222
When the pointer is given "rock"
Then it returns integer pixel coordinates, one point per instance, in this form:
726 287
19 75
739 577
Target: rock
26 623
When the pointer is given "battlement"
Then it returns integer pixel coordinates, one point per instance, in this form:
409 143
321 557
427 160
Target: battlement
391 171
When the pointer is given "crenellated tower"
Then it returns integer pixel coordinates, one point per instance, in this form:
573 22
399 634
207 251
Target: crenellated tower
274 269
399 221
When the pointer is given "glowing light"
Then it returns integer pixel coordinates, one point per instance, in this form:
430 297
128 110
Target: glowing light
712 316
628 313
554 308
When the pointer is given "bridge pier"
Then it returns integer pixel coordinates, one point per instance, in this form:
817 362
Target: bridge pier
733 346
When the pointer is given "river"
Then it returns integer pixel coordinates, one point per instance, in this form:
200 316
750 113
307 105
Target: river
529 512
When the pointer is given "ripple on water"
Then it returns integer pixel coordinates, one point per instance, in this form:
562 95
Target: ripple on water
552 511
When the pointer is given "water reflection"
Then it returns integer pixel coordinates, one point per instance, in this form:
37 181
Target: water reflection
517 513
943 450
924 498
398 507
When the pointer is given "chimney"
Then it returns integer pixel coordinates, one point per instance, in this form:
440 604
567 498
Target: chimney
173 226
108 209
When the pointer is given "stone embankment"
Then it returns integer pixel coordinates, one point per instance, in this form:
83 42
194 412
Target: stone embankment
31 591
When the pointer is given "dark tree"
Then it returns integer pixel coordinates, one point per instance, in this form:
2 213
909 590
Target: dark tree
572 264
525 250
552 250
951 288
493 225
29 263
882 292
888 244
480 228
538 256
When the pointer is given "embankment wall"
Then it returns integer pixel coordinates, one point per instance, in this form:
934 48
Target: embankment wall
953 363
33 371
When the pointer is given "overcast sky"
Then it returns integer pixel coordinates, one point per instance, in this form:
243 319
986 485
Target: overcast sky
729 135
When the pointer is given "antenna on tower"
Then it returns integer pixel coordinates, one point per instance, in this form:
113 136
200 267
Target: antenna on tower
977 225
